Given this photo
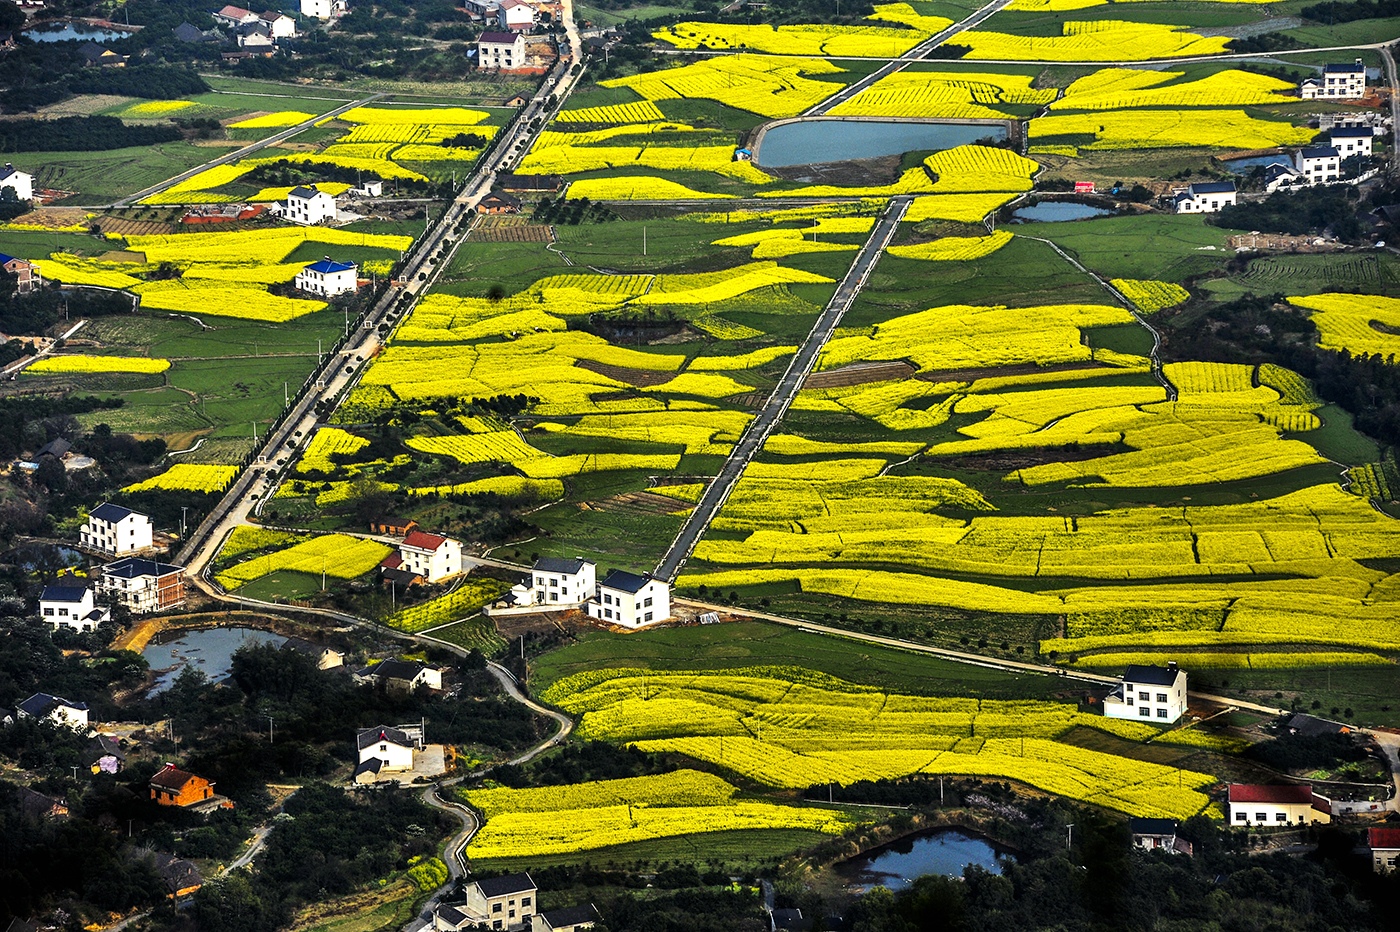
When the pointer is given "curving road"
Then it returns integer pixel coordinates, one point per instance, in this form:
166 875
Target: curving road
767 418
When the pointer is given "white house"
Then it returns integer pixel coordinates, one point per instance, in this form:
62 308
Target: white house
324 9
71 606
630 600
515 14
1319 164
568 919
255 36
143 585
1352 140
235 16
22 183
1145 692
115 530
308 204
481 8
497 50
1157 835
1384 843
280 25
506 903
400 674
326 658
561 583
390 746
329 278
1280 177
43 707
428 555
369 189
1258 805
1205 197
1337 82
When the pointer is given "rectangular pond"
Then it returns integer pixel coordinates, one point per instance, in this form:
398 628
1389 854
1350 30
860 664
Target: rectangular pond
809 142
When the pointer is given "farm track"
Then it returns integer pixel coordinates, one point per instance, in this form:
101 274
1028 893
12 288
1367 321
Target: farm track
787 388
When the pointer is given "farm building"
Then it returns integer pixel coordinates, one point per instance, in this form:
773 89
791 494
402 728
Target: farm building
143 585
324 9
382 749
1384 842
105 755
27 277
280 25
329 278
1205 197
562 583
1154 693
429 556
1157 835
254 36
500 50
630 600
1258 805
172 786
326 658
115 530
498 202
22 183
71 607
308 204
1280 177
1337 82
1352 140
400 674
1319 164
392 527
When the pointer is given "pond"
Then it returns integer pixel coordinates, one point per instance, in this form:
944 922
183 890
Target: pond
941 851
74 32
45 559
1055 211
811 142
1242 166
210 650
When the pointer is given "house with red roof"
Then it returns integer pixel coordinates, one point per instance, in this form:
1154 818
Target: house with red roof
430 556
1260 805
1384 842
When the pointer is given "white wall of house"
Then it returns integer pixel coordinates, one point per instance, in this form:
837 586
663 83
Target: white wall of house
1263 814
433 565
281 27
1320 168
130 534
330 284
650 604
394 755
21 182
1349 146
1145 702
71 614
310 209
559 589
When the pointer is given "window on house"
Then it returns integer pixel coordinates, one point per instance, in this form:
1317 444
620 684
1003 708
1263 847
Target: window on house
1241 817
524 901
1280 817
495 907
48 611
1144 711
1161 713
1261 817
384 747
1130 700
607 599
646 603
1161 697
646 617
1145 697
607 613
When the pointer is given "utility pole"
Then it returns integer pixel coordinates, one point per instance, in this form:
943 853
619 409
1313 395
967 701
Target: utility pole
183 509
644 240
269 729
1070 843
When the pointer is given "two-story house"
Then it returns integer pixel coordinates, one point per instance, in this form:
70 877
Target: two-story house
515 15
1205 197
561 583
430 556
382 750
1259 805
1384 842
1154 694
566 919
1351 141
308 204
326 658
630 600
172 786
280 25
497 51
21 183
506 903
45 708
400 674
116 531
324 9
235 16
27 276
1158 835
1337 82
143 585
72 607
328 278
1320 164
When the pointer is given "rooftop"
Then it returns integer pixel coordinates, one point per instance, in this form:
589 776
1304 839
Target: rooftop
135 567
1383 836
63 594
562 566
421 541
499 38
111 513
627 582
1258 793
382 733
1213 187
1150 676
171 777
326 267
1152 826
41 704
504 886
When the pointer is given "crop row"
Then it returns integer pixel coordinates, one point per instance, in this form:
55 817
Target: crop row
188 477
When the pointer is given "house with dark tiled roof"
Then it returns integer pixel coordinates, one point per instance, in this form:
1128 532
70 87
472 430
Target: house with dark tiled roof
46 708
400 674
506 903
631 600
143 585
71 607
181 877
567 919
117 531
172 786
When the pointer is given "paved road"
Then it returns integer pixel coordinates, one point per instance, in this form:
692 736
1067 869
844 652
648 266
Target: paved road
787 388
1389 60
244 152
913 55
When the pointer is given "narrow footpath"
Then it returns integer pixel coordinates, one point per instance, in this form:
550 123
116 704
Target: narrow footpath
767 418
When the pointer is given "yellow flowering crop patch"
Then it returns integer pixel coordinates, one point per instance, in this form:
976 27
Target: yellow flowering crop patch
427 153
465 599
455 115
157 108
709 288
778 244
266 195
1152 129
223 300
953 248
570 159
188 477
1095 40
1149 296
82 363
381 167
265 246
636 188
508 486
552 138
698 431
1344 322
326 441
924 94
968 208
641 112
214 177
768 86
753 360
1058 6
847 41
962 169
246 539
75 270
722 329
504 446
335 554
1122 88
1272 661
274 120
557 467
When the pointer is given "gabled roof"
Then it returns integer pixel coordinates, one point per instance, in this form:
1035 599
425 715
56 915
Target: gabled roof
1351 68
172 777
503 197
570 916
1213 187
305 191
449 914
112 513
1257 793
1152 826
254 29
104 746
560 565
1319 152
56 447
1352 132
369 765
6 260
627 582
41 704
381 733
187 33
19 925
272 16
500 38
420 541
236 12
394 669
136 567
303 646
505 886
63 594
1311 725
1278 170
177 873
326 267
1383 836
1148 676
6 172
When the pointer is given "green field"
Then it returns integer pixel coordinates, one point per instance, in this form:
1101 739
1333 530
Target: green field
102 177
742 850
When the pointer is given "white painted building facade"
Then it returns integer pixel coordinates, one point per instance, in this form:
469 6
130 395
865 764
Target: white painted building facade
1148 694
328 278
117 531
308 204
630 600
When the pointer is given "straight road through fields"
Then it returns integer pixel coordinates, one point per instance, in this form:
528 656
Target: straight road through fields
762 424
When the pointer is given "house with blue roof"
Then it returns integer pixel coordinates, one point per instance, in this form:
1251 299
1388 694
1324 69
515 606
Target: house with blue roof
329 278
26 273
60 711
72 607
117 531
1205 197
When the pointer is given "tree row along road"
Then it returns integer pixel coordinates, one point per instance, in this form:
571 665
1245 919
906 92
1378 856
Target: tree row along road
237 154
777 404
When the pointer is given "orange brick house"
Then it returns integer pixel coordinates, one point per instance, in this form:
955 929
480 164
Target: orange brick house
172 786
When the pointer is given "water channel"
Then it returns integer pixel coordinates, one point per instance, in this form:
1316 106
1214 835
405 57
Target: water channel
943 851
209 650
809 142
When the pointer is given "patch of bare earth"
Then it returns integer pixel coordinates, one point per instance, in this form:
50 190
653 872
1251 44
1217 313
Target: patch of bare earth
859 374
642 378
